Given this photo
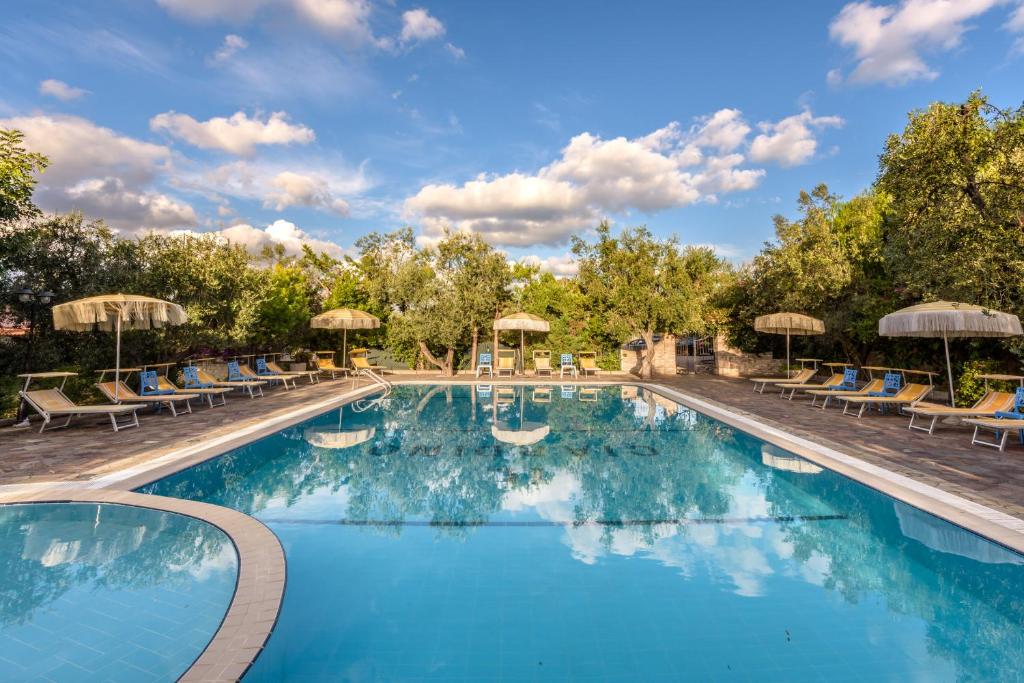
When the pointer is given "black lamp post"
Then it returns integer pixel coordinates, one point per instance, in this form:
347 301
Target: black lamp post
35 301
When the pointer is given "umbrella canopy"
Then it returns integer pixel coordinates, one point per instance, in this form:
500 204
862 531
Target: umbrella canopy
524 322
345 319
116 312
788 324
946 319
334 438
527 436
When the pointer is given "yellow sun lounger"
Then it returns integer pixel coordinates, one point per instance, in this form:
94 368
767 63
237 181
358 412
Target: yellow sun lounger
205 379
52 403
833 381
125 395
1003 427
987 406
164 383
799 378
542 362
588 362
873 386
312 375
905 397
326 364
506 362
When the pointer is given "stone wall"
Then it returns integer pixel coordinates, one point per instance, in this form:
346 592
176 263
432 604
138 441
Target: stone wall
664 357
732 362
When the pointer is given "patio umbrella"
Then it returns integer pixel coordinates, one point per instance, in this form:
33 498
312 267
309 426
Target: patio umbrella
113 313
528 432
788 324
947 319
524 322
345 319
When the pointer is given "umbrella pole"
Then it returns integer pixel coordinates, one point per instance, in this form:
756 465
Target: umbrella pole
117 358
344 348
787 353
522 352
949 370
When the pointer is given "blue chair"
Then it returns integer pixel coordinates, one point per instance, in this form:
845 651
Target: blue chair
192 381
891 384
485 362
149 384
849 381
567 365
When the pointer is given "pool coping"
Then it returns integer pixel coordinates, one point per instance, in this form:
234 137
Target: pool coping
259 586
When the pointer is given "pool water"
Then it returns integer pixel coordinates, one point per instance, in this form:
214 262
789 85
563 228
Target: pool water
569 533
101 592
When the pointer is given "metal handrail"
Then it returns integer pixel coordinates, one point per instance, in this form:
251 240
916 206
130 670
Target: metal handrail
363 404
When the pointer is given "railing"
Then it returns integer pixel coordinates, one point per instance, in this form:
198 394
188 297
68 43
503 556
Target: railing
363 404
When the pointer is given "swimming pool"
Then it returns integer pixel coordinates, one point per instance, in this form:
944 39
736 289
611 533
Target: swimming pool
103 592
580 533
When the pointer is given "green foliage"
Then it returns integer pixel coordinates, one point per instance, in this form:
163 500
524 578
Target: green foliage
971 387
284 308
18 170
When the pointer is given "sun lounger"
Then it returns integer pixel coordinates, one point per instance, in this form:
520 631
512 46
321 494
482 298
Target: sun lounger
326 364
312 375
52 403
588 362
567 365
987 406
119 392
907 396
799 378
154 384
506 362
360 359
485 362
195 378
542 362
839 379
1002 423
263 371
872 387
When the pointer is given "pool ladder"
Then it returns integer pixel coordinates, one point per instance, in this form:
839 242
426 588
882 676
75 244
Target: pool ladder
365 404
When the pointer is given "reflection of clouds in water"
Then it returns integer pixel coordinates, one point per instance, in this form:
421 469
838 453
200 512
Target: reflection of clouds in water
743 554
225 560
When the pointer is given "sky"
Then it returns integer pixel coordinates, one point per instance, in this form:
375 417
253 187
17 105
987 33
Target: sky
282 121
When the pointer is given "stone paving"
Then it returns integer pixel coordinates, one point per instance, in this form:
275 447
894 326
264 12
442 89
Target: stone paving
89 448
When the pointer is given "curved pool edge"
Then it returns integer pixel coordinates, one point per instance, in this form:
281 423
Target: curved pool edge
259 586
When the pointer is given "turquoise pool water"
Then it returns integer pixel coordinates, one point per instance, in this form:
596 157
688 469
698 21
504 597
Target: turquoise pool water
454 534
108 592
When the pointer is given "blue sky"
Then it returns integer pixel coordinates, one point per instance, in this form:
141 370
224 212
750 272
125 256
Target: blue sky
281 120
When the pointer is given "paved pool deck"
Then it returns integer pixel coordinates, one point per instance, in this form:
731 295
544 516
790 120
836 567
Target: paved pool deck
89 450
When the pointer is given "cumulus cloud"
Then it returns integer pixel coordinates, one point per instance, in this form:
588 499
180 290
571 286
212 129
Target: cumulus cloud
888 40
418 25
102 173
238 134
280 232
61 90
593 177
279 187
791 141
231 45
560 266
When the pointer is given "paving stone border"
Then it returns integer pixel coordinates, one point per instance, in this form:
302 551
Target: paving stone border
259 589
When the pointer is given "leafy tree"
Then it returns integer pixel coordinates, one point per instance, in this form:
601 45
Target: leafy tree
18 170
644 285
956 175
284 309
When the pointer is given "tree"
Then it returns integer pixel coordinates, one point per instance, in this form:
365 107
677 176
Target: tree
643 285
18 169
284 310
956 223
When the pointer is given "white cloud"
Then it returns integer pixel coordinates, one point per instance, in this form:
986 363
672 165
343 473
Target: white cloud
791 141
231 45
724 130
888 40
61 90
564 265
1015 24
418 25
119 205
238 134
102 173
593 177
282 232
455 51
279 187
344 19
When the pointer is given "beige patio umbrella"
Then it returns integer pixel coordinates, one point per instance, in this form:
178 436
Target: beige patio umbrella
947 319
116 312
345 319
528 432
524 322
788 324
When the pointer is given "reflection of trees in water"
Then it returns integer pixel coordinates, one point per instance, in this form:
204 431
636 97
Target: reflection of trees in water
974 610
49 549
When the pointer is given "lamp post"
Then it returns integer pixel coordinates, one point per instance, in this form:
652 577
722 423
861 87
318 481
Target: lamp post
34 301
